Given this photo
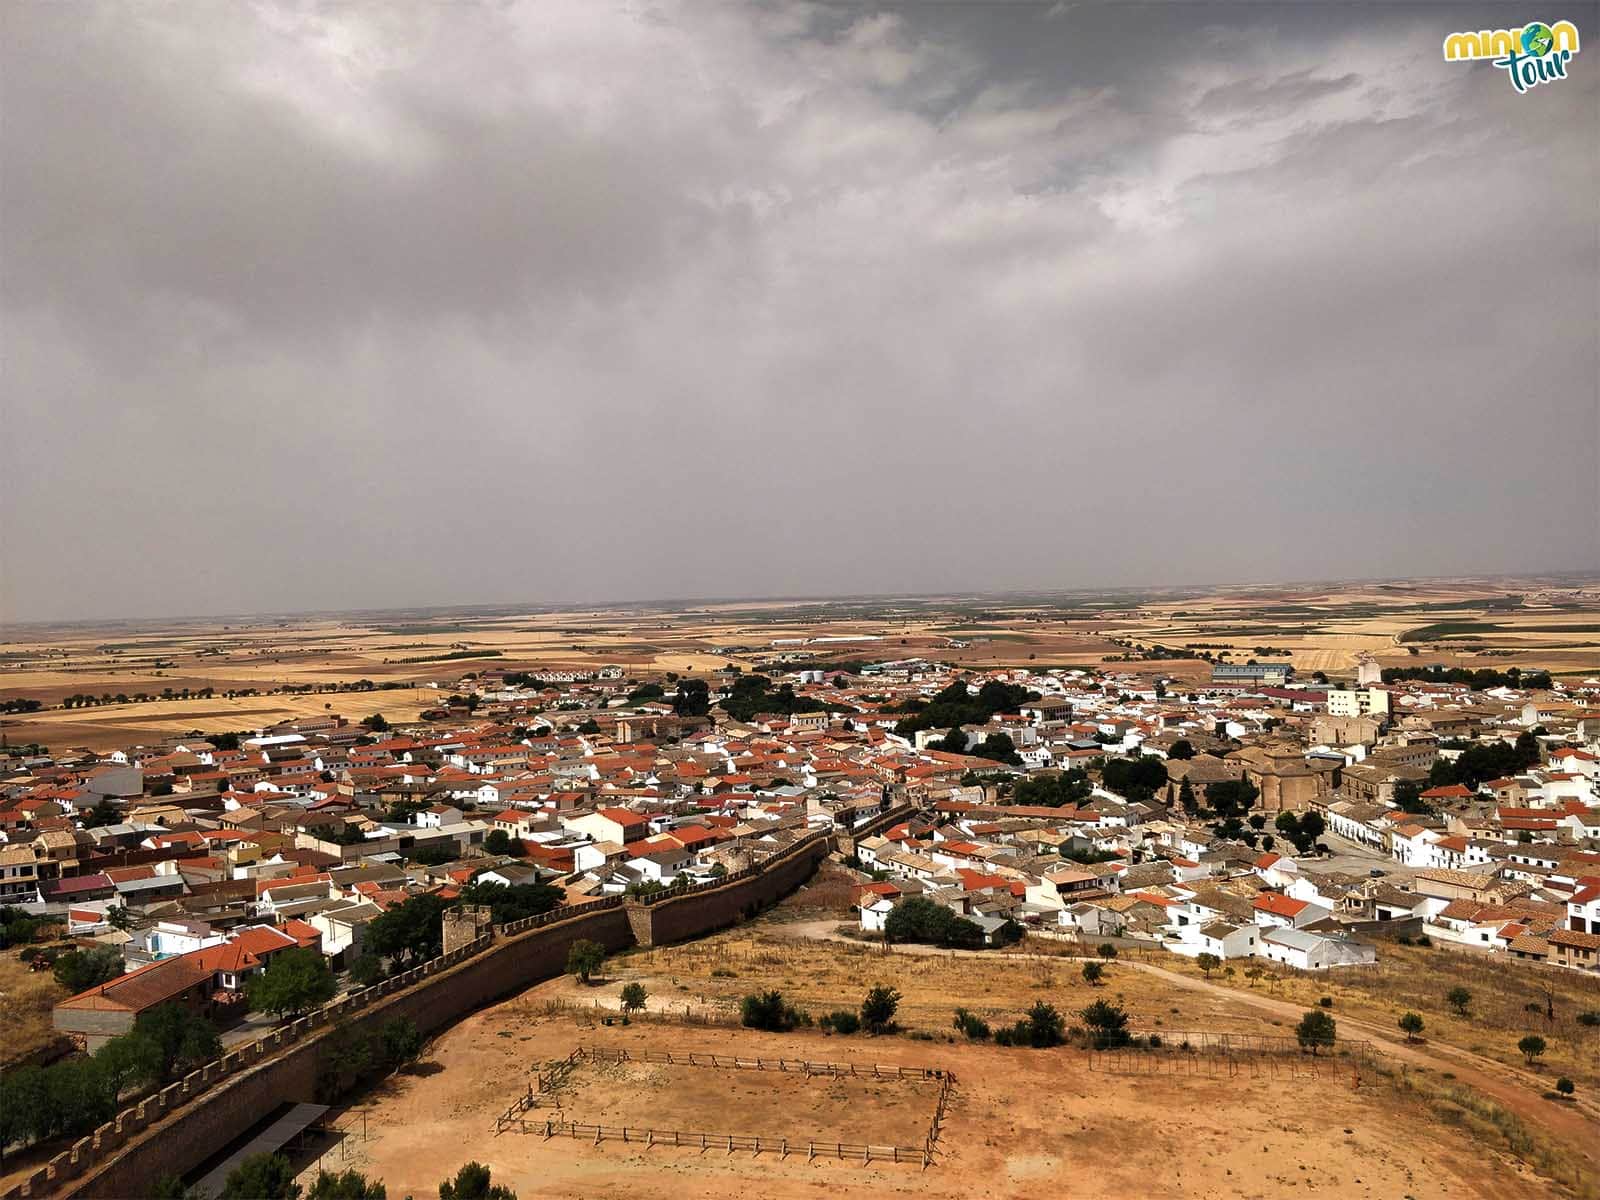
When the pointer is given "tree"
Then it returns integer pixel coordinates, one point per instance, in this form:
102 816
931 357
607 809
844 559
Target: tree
498 841
346 1185
584 959
918 919
954 742
261 1177
376 724
1316 1029
633 997
1093 972
128 1059
878 1009
1459 999
693 698
1408 797
842 1021
1208 963
1564 1086
1187 800
412 929
400 1042
1106 951
1532 1046
293 981
80 970
1181 749
473 1182
183 1040
1412 1024
1107 1022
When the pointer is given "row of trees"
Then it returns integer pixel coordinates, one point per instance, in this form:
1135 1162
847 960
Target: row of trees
272 1177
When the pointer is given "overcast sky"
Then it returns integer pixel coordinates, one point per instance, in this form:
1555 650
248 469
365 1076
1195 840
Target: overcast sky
367 305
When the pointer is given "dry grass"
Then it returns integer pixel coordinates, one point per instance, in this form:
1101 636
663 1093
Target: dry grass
26 998
1416 979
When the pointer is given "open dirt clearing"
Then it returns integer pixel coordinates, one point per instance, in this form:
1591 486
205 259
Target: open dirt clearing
1022 1123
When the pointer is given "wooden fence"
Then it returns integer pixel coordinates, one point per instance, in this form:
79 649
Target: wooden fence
551 1127
798 1066
782 1146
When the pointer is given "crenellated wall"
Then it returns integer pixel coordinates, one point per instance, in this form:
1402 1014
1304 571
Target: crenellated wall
177 1129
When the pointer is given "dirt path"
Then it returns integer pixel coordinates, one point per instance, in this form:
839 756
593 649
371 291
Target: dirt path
1577 1124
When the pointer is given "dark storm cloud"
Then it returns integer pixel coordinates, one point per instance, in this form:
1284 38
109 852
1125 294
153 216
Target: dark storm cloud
319 307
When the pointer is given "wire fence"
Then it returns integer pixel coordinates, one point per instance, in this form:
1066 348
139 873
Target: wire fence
730 1142
799 1066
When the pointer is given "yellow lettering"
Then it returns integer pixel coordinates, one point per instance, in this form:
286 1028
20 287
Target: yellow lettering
1463 45
1566 35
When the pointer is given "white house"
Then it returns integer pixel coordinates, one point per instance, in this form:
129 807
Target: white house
1313 951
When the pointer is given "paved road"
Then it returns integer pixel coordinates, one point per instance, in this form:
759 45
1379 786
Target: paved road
1352 858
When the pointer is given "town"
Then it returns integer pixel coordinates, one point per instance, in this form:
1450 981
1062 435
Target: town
1240 817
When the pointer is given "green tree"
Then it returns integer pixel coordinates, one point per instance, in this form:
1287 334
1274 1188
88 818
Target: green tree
633 997
584 959
1093 972
1181 749
412 930
172 1187
498 841
974 1027
345 1185
1565 1086
80 970
129 1059
1316 1029
1459 999
1207 963
1532 1046
1412 1024
261 1177
183 1039
473 1182
1106 951
879 1007
918 919
400 1042
292 982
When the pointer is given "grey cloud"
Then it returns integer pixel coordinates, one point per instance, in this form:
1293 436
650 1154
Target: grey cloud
356 306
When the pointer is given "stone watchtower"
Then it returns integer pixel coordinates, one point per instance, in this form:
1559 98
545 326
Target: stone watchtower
465 925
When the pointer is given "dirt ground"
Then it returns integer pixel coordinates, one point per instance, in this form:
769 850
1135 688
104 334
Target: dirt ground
1022 1123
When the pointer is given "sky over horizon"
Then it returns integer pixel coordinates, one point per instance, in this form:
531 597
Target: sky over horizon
370 306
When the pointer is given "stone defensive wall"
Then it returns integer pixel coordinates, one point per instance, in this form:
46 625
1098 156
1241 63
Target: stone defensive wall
179 1127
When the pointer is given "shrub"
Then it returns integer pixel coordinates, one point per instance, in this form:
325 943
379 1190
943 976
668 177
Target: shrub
1412 1024
1326 1002
1044 1025
1565 1086
474 1182
842 1022
1092 973
1108 1024
879 1007
261 1177
1107 950
1590 1018
1532 1047
769 1011
1207 963
975 1028
1459 999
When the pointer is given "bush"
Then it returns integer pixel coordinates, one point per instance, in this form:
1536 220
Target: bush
1108 1024
1590 1018
1459 999
261 1177
1092 973
975 1028
1412 1024
346 1185
1106 950
1532 1047
633 997
1326 1002
843 1022
474 1182
1207 963
1565 1086
879 1007
769 1011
